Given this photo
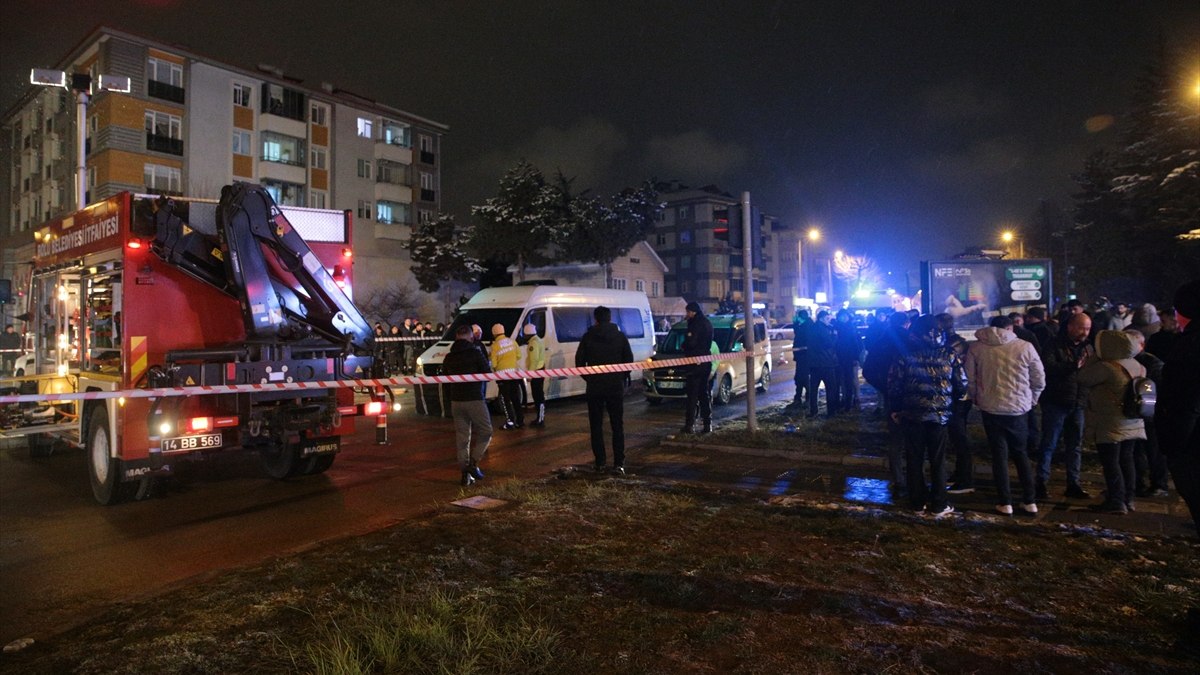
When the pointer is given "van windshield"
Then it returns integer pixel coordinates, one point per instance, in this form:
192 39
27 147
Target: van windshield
485 318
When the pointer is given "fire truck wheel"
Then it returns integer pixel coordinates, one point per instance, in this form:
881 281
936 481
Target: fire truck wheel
281 461
105 470
317 464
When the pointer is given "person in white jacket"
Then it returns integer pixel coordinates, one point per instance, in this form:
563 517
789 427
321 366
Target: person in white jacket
1004 378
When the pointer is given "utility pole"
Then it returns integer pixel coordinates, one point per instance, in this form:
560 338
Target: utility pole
748 297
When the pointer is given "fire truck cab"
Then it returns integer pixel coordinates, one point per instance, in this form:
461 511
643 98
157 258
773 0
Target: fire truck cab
176 295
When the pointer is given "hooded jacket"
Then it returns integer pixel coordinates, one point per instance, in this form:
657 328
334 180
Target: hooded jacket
1146 320
1106 380
464 358
924 383
604 344
1004 373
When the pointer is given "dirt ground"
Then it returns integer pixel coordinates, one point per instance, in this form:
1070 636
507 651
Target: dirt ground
589 573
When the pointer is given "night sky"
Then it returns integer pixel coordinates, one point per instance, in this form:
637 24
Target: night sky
904 130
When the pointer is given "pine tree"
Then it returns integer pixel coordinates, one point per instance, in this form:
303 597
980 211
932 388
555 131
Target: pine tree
521 221
438 256
601 233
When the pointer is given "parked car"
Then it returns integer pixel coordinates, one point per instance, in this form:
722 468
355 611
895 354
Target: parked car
729 379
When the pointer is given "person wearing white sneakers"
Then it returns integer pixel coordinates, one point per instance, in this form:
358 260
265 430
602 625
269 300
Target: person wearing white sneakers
1004 378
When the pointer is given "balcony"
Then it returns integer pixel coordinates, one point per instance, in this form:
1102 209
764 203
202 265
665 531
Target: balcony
428 157
158 143
165 91
428 195
393 152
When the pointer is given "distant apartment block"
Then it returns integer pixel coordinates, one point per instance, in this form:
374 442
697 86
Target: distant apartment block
191 124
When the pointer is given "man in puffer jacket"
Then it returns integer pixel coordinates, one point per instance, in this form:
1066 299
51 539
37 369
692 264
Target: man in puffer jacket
922 388
1114 434
1004 379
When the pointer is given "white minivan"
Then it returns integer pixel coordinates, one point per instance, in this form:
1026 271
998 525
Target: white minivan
561 314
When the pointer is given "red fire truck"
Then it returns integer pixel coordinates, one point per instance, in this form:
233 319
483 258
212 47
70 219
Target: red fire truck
143 292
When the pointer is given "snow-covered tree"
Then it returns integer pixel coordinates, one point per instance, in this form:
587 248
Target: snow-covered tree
1138 203
521 221
438 254
601 233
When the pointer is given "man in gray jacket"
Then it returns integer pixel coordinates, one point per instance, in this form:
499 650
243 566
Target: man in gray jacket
1004 378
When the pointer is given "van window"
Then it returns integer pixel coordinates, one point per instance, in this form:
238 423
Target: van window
536 317
570 323
485 319
629 319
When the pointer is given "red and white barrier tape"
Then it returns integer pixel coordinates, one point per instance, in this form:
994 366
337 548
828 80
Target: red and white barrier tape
205 390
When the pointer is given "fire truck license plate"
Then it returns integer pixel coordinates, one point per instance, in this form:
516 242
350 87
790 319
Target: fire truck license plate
199 442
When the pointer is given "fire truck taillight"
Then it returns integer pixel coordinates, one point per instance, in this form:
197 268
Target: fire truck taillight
134 243
200 424
373 408
347 253
339 276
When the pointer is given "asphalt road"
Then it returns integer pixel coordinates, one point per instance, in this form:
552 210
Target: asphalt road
63 558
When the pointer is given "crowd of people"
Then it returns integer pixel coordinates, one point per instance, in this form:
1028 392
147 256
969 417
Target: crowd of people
399 357
1045 385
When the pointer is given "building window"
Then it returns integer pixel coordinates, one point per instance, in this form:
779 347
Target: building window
682 213
282 149
241 143
635 261
319 114
392 172
392 213
617 284
284 102
285 194
316 199
164 80
424 216
364 168
640 285
364 209
397 133
427 153
242 95
685 262
162 179
654 289
660 240
365 128
164 133
318 158
428 190
685 237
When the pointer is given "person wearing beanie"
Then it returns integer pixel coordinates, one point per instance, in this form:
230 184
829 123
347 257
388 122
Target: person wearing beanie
1107 376
503 356
1146 320
535 359
1177 412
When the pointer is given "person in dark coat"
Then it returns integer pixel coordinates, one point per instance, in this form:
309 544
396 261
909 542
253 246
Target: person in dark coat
922 388
1035 322
822 364
472 420
963 481
1063 403
1149 465
698 342
605 344
849 348
1177 412
800 326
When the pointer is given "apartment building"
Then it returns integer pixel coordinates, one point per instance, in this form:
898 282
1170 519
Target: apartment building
190 124
692 238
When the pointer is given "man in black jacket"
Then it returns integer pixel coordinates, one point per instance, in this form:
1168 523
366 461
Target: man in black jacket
605 344
1063 402
1177 413
822 364
698 342
472 421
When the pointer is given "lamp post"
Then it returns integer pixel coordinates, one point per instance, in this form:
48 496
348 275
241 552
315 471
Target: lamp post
81 84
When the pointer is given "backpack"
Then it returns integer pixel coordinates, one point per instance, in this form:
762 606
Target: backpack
1139 397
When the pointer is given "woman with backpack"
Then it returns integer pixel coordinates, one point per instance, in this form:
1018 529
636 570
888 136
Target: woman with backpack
1108 378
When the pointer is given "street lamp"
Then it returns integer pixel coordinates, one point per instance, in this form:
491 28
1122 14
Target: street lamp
1008 236
81 84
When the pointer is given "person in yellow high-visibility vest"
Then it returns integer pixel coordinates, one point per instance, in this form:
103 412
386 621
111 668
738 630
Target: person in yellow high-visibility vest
535 359
503 355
